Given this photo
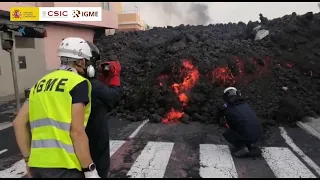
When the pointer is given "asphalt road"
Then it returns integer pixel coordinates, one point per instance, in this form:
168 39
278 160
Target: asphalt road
189 151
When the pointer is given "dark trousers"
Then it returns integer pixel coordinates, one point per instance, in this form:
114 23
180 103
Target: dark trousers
56 173
98 134
100 154
237 141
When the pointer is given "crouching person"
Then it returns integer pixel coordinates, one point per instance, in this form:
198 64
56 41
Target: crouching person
103 97
244 129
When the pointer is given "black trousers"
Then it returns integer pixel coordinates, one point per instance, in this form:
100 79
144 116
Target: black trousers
100 154
98 134
56 173
238 141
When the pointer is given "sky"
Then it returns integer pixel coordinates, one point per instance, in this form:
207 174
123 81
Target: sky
195 13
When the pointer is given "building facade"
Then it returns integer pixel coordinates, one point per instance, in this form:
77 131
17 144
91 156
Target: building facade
130 20
38 56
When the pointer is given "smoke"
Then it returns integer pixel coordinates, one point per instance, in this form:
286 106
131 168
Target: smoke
173 13
200 14
170 10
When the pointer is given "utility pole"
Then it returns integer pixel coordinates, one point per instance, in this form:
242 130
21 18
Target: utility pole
8 42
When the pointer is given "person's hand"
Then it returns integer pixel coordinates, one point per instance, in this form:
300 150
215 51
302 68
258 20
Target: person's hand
28 175
91 174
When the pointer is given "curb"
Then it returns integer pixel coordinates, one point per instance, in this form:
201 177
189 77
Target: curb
309 129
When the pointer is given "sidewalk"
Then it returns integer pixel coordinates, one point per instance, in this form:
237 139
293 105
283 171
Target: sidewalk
312 126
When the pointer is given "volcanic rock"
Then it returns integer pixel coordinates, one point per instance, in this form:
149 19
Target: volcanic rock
185 119
155 118
184 69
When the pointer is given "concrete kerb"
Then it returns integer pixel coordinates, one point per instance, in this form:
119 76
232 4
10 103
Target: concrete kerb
311 126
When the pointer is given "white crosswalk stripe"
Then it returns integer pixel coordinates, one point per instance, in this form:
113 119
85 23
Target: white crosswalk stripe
152 161
215 162
114 146
285 164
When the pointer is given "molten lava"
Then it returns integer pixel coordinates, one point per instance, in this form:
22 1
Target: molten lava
172 116
191 76
223 75
220 75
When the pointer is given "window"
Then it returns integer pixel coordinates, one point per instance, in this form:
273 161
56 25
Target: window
22 62
105 5
22 42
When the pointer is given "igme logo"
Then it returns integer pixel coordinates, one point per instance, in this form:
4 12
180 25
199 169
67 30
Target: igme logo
78 13
70 13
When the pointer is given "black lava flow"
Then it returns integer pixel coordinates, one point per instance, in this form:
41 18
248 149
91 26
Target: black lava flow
223 54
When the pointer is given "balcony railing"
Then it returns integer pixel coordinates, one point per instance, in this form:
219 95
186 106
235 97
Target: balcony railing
132 10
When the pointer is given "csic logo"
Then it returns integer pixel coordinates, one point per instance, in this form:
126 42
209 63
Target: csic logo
77 13
55 13
16 14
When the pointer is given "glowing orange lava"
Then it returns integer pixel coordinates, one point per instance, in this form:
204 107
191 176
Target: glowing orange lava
223 75
172 116
191 77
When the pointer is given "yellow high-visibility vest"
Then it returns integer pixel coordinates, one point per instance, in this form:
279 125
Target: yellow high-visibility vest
50 117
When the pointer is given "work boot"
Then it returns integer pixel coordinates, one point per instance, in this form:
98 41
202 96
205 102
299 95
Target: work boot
242 152
255 152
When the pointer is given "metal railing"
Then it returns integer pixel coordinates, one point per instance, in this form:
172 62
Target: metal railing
132 10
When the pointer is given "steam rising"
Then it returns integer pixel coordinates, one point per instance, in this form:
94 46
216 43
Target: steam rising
172 13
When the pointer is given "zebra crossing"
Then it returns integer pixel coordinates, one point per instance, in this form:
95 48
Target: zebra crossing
215 161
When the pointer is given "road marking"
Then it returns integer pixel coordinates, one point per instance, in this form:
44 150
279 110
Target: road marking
216 162
296 149
3 151
5 125
18 170
115 145
138 129
285 164
153 161
309 129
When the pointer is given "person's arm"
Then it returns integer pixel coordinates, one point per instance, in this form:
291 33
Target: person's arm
80 99
220 113
22 130
106 94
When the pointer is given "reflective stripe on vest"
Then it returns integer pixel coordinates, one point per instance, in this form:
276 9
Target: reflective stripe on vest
50 122
50 117
52 143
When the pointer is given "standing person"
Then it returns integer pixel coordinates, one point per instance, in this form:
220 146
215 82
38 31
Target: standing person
50 127
244 129
104 97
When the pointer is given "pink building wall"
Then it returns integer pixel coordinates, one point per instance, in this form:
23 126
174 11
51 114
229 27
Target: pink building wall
55 35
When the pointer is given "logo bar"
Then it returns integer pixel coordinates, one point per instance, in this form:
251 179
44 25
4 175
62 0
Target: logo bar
70 14
55 14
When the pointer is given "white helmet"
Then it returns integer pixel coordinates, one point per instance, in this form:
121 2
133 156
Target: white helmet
75 48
